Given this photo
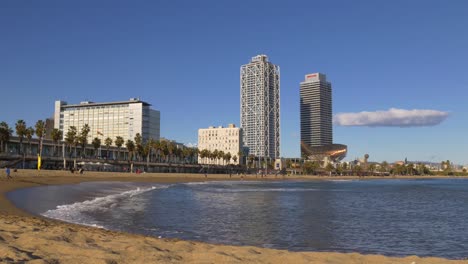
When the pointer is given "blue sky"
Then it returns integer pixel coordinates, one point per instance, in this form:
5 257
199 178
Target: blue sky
183 57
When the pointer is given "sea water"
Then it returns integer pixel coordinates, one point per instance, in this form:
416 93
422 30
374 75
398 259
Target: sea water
425 217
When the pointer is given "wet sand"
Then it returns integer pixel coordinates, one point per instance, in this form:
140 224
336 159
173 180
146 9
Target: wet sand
30 239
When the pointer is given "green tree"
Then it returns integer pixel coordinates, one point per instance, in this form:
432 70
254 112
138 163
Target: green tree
310 167
108 143
147 150
70 138
20 132
5 134
157 150
214 155
139 146
29 134
40 133
96 144
164 150
131 149
186 153
83 138
234 159
56 134
384 166
171 149
227 158
329 168
357 170
119 141
372 168
240 154
251 160
220 156
204 154
339 169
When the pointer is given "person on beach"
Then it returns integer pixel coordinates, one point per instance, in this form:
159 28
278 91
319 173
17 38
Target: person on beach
7 171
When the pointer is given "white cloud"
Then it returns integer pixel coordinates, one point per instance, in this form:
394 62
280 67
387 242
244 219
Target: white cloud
191 145
391 118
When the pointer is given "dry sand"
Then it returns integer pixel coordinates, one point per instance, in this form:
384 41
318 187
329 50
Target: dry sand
29 239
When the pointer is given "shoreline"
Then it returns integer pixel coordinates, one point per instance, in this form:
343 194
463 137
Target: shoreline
26 237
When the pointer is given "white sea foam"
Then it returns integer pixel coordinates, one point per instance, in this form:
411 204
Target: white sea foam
264 190
340 180
74 212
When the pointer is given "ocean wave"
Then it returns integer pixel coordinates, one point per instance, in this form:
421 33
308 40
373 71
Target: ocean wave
74 213
263 190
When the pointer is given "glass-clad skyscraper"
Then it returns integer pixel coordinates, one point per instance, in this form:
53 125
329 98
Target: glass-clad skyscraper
316 111
260 107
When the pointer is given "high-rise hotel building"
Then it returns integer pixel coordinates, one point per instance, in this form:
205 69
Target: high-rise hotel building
260 107
316 111
112 119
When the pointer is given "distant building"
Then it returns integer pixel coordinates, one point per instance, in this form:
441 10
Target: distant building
226 139
316 120
111 119
260 107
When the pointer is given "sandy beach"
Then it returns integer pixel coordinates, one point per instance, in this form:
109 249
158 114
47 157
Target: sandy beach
25 238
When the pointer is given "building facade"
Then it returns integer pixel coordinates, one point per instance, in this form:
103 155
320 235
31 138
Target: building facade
112 119
316 111
260 107
226 139
317 120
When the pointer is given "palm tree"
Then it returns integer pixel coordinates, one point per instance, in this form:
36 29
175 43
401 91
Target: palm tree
108 143
234 159
214 155
40 133
194 155
138 145
56 135
131 149
372 168
5 134
20 132
186 153
148 149
157 149
240 154
119 141
339 169
310 167
384 166
96 144
227 158
83 138
171 148
329 168
29 134
163 150
251 159
357 170
70 138
204 154
220 156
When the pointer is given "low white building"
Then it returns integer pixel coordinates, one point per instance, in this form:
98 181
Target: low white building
226 139
110 119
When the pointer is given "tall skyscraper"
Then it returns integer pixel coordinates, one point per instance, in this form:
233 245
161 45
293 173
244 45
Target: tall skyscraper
260 107
316 112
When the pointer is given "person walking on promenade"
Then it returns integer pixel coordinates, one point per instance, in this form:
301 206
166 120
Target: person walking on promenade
7 171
